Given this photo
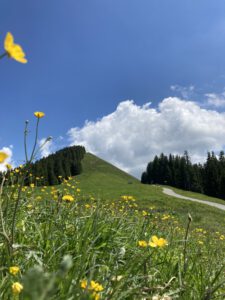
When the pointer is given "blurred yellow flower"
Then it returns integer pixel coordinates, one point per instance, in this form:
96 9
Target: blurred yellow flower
96 296
142 244
39 114
96 286
68 198
14 270
17 288
3 156
13 50
8 166
157 242
83 284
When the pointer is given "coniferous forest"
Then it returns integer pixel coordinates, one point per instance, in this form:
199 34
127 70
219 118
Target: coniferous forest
178 171
51 170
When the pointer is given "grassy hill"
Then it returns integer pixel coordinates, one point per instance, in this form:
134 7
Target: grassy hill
104 181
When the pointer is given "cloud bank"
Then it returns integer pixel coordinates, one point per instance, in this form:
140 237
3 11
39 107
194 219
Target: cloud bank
132 135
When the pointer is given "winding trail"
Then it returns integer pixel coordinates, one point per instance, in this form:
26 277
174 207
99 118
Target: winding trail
173 194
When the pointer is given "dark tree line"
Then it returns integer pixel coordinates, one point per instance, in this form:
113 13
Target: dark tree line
178 171
51 170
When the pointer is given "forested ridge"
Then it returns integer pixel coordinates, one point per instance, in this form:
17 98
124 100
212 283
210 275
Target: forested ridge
180 172
50 170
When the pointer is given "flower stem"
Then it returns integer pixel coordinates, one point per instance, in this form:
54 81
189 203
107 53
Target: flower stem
25 141
27 166
3 55
185 243
35 142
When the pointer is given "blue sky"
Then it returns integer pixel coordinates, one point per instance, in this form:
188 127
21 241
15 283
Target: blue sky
85 57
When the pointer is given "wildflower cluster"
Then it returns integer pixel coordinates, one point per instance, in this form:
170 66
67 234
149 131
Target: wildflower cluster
153 242
94 287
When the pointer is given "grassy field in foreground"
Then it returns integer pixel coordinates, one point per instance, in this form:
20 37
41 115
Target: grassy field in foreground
103 235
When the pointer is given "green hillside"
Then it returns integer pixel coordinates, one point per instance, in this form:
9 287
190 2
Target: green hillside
104 181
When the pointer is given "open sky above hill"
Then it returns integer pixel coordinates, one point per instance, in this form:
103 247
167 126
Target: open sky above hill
88 59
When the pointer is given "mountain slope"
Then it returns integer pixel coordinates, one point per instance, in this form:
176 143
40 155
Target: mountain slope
104 181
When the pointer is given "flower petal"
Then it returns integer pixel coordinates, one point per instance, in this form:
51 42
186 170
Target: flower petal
151 244
8 41
154 239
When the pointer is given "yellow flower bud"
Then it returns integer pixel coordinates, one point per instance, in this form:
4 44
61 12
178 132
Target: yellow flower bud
14 270
17 288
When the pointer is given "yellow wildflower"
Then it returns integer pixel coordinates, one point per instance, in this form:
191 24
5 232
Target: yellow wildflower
165 217
68 198
13 50
96 296
144 213
14 270
142 244
157 242
83 284
8 166
17 288
3 156
96 286
39 114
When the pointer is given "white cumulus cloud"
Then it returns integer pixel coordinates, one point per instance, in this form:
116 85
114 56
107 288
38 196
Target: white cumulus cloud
132 135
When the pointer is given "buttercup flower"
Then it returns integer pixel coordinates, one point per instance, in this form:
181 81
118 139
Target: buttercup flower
68 198
142 244
17 288
96 286
3 156
96 296
39 114
157 242
14 270
13 50
83 284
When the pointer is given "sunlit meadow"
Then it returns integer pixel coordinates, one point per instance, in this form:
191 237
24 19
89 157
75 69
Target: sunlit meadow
61 242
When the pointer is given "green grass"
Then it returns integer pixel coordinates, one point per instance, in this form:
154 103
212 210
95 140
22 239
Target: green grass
62 247
104 181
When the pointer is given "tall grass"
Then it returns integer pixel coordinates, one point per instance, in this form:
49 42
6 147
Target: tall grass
59 244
